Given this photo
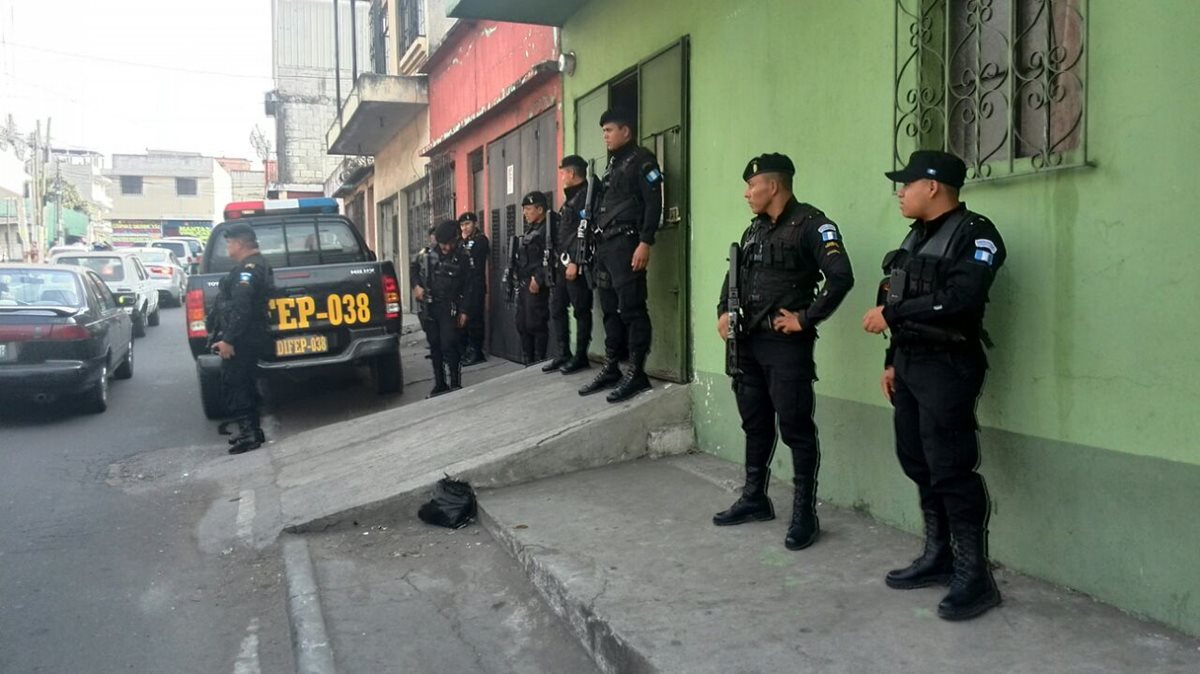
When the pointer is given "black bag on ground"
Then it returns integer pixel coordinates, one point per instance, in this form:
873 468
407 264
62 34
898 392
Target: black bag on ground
453 504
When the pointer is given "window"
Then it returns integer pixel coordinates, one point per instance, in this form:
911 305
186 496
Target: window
142 274
177 247
103 294
131 184
412 23
1000 83
185 187
39 288
298 243
109 268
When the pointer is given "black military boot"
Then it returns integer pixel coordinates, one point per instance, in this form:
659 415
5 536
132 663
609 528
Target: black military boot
563 357
539 348
753 504
455 377
634 382
935 566
973 590
439 382
249 436
580 360
609 375
805 526
468 357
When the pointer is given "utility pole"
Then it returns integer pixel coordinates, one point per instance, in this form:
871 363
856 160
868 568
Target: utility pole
36 232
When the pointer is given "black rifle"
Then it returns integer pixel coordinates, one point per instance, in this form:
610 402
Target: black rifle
549 258
426 279
734 307
510 274
585 236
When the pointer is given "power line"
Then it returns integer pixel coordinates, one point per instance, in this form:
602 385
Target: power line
136 64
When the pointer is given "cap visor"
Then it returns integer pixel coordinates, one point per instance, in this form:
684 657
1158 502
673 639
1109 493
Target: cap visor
901 176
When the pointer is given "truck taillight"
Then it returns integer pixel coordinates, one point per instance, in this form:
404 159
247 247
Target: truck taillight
391 296
196 326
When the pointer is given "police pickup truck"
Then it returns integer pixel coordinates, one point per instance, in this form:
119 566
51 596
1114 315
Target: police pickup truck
332 303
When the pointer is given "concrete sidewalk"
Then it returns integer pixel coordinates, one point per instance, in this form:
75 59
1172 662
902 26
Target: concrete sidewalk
628 555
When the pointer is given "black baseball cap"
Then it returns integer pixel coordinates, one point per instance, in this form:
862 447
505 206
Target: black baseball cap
241 231
574 161
771 162
931 165
468 217
619 116
535 199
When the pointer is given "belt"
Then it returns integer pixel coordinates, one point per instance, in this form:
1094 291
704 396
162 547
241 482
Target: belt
628 229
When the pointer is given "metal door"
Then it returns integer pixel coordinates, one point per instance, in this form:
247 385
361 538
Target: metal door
503 215
662 98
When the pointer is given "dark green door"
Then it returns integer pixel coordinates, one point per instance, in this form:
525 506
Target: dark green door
662 98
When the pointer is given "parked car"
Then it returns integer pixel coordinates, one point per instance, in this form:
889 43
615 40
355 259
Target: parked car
189 250
332 303
62 333
126 276
166 274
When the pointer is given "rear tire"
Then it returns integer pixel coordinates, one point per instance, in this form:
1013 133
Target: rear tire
388 374
154 318
95 401
210 393
139 324
125 369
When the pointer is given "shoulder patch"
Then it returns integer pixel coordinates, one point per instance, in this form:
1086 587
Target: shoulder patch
829 232
249 265
653 176
245 277
986 244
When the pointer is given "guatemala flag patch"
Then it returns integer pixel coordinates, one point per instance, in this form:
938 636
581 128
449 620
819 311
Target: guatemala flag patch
985 251
829 232
245 277
983 256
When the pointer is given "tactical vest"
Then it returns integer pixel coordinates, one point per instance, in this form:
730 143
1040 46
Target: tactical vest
776 273
915 271
449 275
529 255
622 203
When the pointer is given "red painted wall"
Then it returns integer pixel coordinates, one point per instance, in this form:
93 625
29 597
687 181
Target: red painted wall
475 69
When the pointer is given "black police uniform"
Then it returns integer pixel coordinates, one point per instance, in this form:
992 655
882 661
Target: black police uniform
567 296
782 263
629 214
449 287
240 318
533 310
934 299
479 248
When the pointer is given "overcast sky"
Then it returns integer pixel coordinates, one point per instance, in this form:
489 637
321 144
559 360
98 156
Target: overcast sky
126 75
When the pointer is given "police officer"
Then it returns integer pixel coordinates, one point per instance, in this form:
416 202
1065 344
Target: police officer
443 281
241 336
571 290
478 247
414 271
933 301
626 223
531 275
788 247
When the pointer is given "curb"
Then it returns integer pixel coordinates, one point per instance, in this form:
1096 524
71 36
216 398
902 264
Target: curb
611 652
310 644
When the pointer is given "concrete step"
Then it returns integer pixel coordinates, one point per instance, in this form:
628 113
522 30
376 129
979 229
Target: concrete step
628 555
504 431
407 597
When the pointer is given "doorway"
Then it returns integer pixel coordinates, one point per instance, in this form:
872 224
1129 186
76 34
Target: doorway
657 90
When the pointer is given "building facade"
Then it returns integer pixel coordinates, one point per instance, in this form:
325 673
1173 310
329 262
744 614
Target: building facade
164 193
1088 437
305 98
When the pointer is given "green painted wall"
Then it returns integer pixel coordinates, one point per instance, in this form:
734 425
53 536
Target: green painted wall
1096 374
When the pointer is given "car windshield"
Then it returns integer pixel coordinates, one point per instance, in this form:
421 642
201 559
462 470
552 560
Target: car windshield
154 255
177 247
39 288
296 242
109 268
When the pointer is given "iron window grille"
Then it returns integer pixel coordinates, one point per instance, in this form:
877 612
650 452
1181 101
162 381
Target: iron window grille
412 23
441 186
1000 83
186 187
